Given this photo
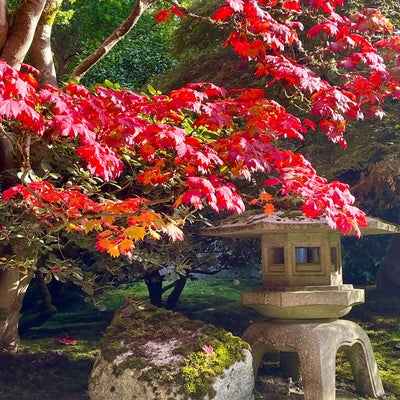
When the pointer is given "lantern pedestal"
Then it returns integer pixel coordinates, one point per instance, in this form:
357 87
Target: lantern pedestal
316 345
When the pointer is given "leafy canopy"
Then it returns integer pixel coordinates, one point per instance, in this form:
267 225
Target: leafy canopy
195 146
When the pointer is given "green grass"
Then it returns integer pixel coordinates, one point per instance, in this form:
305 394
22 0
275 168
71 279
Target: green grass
47 370
380 318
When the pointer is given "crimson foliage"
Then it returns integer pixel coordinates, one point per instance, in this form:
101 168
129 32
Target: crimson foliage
199 141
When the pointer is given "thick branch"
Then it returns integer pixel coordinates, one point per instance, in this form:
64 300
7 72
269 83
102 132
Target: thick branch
139 8
40 51
3 23
26 18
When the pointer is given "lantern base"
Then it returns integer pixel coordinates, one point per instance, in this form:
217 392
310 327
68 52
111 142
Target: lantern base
316 345
307 302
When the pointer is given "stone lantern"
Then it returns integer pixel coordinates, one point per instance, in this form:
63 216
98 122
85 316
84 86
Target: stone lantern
303 297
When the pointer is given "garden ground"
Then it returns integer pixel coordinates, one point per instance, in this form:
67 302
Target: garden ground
55 359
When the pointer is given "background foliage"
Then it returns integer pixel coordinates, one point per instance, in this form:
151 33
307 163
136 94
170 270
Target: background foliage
83 25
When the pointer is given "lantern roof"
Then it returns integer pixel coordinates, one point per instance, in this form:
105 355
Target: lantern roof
250 224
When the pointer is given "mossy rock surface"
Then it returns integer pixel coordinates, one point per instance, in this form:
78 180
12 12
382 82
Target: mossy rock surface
151 353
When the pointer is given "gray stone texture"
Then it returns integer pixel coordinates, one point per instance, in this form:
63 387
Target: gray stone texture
316 344
236 383
145 349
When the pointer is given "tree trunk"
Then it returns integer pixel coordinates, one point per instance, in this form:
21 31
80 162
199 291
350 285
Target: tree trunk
22 31
173 298
137 11
13 286
388 279
40 52
154 282
3 23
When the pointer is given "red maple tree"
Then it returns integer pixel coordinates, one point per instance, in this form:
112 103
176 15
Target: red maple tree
199 141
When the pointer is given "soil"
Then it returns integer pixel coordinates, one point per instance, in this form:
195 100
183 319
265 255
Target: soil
276 388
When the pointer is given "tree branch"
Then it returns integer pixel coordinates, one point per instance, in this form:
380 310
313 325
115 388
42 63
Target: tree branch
137 11
206 20
40 51
3 23
22 31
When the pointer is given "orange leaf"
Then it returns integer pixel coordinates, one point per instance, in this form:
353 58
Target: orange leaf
74 227
266 196
104 234
113 251
108 219
269 209
135 232
178 201
103 244
252 94
91 224
126 246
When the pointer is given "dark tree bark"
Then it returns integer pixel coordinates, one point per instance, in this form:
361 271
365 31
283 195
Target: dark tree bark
154 283
13 284
173 298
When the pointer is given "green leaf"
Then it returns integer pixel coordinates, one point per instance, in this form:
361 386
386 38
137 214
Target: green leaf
151 90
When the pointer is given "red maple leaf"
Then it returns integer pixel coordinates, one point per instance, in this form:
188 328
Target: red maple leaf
292 5
251 95
163 16
223 13
66 340
177 12
101 160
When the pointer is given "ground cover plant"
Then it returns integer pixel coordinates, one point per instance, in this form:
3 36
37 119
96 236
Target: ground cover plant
55 360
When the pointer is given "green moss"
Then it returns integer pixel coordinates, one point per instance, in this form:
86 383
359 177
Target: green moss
129 363
200 369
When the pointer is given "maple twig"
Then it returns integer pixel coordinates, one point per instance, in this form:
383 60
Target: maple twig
11 139
196 17
26 154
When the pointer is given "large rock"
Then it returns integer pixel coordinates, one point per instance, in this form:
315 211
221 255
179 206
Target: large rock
149 353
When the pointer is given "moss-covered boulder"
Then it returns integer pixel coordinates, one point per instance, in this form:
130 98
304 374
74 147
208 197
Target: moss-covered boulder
148 353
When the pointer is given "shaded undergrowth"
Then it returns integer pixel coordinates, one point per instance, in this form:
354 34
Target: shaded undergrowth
46 369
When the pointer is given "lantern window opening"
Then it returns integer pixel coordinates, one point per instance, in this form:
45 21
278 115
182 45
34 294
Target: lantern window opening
308 255
277 255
